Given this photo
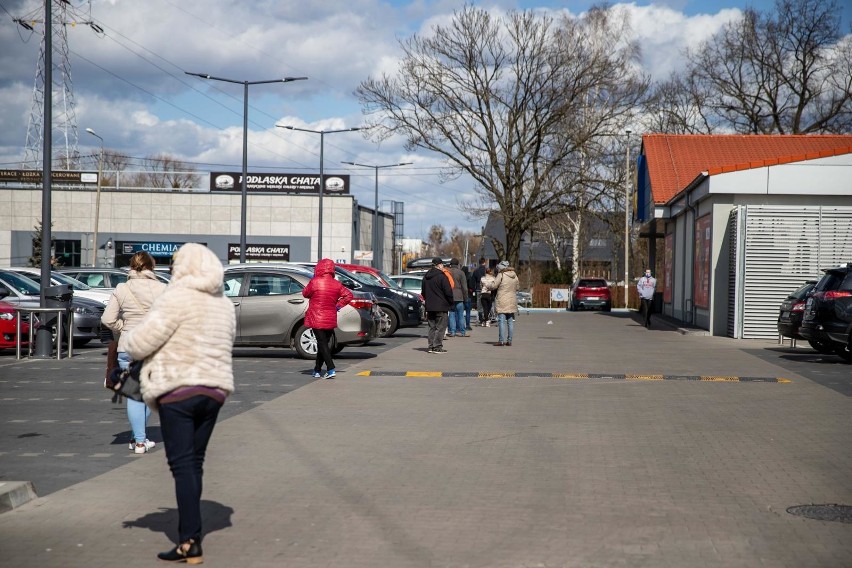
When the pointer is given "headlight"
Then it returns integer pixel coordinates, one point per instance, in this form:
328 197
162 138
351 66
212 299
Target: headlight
7 316
82 310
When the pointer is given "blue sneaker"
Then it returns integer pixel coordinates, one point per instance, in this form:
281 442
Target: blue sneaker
330 374
317 375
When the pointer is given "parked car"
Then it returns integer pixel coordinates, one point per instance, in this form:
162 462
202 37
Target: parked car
9 325
271 310
424 263
401 307
590 293
86 314
80 290
524 299
828 311
790 316
105 277
408 281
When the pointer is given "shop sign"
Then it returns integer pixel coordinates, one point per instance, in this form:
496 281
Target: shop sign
154 248
34 176
261 253
279 183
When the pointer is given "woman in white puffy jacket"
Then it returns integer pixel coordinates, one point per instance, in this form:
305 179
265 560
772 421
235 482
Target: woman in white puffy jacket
186 341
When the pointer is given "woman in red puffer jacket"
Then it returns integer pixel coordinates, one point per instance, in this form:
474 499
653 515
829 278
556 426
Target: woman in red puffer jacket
326 297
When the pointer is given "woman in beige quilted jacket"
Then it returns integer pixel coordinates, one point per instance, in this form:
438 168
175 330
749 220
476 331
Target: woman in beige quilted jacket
186 342
129 303
505 287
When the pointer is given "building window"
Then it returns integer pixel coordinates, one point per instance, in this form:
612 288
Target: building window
597 243
67 252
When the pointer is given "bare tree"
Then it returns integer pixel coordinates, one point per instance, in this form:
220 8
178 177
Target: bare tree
164 171
788 72
499 98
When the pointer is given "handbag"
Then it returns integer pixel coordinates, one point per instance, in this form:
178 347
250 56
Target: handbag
126 381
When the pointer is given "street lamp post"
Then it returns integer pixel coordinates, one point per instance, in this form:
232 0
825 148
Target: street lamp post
322 134
377 258
244 181
98 197
626 214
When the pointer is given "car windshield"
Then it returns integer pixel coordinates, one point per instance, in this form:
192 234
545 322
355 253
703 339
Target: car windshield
20 283
592 284
802 292
393 283
369 277
73 282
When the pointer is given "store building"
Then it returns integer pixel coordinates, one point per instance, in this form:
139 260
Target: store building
741 221
281 220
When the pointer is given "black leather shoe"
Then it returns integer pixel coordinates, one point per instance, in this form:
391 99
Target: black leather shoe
189 552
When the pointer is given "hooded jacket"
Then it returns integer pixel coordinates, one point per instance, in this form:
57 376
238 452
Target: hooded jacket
131 300
459 283
437 291
505 288
187 337
326 296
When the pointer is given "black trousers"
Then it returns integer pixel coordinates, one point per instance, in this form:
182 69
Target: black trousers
647 307
323 352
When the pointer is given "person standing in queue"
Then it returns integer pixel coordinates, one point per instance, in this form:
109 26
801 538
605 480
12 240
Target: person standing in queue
505 287
438 296
185 341
326 297
129 303
459 280
646 287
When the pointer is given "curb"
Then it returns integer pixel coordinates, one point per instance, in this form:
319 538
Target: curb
15 493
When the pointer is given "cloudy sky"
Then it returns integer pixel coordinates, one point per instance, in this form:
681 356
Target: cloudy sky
129 83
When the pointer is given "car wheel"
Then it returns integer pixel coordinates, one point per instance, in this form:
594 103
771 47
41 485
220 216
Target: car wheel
390 323
305 343
846 352
821 346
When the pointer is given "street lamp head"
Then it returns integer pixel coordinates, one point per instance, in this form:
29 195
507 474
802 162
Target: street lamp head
288 79
95 134
202 75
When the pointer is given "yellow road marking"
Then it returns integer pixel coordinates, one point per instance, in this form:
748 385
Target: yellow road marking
720 379
424 374
363 374
570 375
643 377
496 375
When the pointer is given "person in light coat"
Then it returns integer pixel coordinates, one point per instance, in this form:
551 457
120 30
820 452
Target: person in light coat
505 287
129 303
186 341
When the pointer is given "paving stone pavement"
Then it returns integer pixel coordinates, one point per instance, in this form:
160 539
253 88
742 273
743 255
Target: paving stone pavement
469 472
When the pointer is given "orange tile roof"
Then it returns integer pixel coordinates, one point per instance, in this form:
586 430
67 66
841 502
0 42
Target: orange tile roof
675 160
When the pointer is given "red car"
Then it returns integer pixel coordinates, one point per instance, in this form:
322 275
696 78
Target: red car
8 317
590 293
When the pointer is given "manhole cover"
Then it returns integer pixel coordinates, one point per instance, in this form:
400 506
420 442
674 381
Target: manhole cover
839 513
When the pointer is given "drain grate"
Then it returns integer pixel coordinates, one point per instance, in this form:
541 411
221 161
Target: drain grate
830 512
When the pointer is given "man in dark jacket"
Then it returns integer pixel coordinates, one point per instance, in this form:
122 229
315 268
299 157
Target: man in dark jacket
438 296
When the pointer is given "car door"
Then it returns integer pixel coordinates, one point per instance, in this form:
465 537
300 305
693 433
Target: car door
233 284
269 309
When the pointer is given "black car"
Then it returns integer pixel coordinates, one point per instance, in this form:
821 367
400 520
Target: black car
828 311
791 312
401 307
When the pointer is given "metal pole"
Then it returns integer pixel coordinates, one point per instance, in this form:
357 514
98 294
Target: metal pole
98 196
244 184
626 216
321 187
376 247
44 339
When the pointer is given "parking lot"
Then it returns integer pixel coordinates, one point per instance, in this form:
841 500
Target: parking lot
590 442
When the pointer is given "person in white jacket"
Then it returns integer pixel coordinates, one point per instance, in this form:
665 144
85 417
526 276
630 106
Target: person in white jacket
186 342
129 303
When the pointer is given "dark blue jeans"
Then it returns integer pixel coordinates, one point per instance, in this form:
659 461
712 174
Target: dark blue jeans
186 426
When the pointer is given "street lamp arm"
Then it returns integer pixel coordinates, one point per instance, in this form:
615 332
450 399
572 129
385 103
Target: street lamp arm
354 129
226 80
